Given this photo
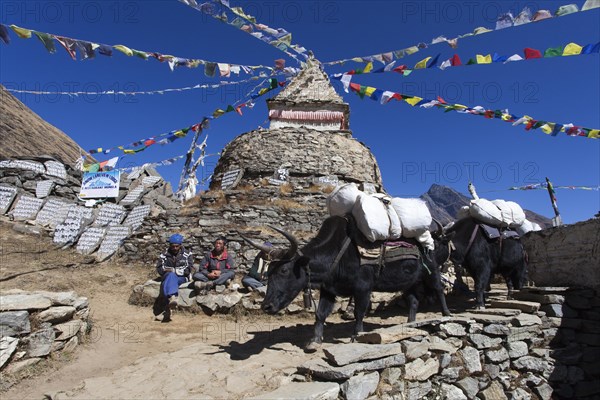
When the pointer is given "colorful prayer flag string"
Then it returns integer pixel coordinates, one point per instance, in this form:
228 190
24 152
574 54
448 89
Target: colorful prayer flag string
549 128
87 50
504 21
278 38
544 186
571 49
136 93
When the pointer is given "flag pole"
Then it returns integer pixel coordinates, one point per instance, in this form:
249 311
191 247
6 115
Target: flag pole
556 221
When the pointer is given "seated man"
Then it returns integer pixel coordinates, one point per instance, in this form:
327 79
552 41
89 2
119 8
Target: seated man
216 268
175 266
257 276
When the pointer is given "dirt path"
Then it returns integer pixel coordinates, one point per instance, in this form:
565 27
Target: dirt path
130 355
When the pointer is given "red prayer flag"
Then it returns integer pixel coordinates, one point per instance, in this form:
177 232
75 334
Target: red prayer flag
455 60
532 53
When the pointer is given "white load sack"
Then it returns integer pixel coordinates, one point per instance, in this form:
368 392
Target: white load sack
487 212
342 199
512 213
426 240
414 215
395 226
371 217
527 226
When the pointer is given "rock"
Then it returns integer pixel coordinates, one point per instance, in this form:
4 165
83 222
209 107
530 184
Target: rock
445 360
469 386
68 329
453 329
451 374
391 375
361 386
16 302
517 349
418 390
518 394
497 356
343 354
8 345
17 366
471 359
303 390
526 320
186 298
217 302
544 391
56 314
322 370
559 310
483 341
497 329
493 392
81 302
40 342
59 298
419 370
414 350
14 323
529 363
390 335
492 370
451 392
71 345
506 312
440 345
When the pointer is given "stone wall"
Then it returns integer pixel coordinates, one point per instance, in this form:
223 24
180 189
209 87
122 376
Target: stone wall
567 255
33 325
513 350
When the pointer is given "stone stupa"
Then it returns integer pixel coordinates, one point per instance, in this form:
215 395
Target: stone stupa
308 142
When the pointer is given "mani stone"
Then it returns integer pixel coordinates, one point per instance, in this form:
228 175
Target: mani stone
54 168
112 241
133 195
43 189
22 164
26 208
90 240
110 214
53 212
149 181
7 195
136 216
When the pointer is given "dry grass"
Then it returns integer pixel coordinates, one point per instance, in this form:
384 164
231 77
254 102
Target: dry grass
316 188
286 188
247 188
288 205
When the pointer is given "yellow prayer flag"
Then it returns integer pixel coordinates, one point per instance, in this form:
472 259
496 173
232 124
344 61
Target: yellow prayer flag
422 64
368 68
506 117
23 33
483 59
594 134
123 49
413 100
547 128
369 90
218 113
179 133
356 59
572 49
127 151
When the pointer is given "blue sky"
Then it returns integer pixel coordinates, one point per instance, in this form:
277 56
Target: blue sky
414 147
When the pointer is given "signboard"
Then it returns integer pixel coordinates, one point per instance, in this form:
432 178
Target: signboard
100 184
230 179
279 177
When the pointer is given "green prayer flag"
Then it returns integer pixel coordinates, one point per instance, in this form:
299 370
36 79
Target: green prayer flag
554 52
472 61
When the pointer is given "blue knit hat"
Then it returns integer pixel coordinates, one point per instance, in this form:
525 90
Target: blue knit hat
176 239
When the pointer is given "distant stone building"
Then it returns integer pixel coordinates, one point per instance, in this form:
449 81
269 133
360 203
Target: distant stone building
308 141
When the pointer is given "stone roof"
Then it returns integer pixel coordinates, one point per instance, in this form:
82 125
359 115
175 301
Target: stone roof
311 85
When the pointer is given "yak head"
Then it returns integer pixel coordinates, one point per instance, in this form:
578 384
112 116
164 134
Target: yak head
287 274
443 243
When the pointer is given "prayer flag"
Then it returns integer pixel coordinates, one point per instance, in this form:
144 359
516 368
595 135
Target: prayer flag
531 53
483 59
123 49
422 64
47 41
413 101
572 49
23 33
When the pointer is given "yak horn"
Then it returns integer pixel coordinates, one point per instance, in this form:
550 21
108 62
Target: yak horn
261 247
291 251
440 230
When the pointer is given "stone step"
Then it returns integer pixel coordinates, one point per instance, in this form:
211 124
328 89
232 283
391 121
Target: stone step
506 312
539 298
525 306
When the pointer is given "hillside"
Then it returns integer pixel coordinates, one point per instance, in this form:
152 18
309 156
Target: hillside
24 133
445 202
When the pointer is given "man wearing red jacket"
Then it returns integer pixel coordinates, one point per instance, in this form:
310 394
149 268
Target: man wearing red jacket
216 268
